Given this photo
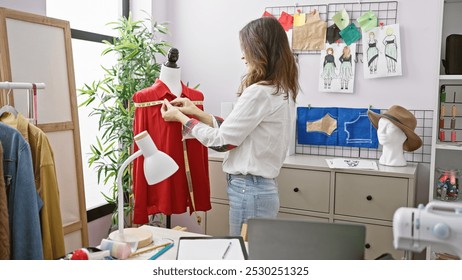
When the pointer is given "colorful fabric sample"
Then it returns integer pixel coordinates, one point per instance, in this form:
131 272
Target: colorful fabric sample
286 20
341 19
367 21
334 126
350 34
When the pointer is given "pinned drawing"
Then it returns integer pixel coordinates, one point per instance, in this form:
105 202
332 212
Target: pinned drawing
382 47
337 68
333 126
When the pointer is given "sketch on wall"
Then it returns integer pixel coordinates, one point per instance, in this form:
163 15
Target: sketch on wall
382 52
337 69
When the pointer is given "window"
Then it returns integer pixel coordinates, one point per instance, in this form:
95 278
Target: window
88 20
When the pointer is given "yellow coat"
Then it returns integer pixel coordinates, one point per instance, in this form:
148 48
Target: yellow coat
46 183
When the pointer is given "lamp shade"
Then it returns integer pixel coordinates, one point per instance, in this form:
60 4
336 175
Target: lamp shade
158 166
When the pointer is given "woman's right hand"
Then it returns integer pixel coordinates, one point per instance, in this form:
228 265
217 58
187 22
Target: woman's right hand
185 106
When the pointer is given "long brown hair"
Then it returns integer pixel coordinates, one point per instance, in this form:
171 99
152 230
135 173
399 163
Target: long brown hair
269 57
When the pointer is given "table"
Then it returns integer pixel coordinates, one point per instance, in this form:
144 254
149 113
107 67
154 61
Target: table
162 234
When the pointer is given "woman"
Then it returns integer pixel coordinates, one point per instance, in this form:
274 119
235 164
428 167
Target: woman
256 132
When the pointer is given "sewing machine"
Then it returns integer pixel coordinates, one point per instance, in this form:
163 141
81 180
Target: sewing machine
438 223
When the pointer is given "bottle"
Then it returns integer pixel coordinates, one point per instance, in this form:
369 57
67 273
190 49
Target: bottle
443 94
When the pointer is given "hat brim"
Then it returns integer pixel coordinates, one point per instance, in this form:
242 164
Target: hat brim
413 141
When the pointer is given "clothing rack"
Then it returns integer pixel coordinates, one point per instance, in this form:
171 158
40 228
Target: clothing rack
15 85
32 95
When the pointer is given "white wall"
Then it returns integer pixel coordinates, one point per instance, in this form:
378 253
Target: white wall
29 6
206 34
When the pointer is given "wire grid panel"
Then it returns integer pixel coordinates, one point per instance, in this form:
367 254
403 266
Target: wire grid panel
422 155
386 12
291 10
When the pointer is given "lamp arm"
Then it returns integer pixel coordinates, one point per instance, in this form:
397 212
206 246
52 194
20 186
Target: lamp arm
120 189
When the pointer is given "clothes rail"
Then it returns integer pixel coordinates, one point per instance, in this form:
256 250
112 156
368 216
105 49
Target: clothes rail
15 85
32 96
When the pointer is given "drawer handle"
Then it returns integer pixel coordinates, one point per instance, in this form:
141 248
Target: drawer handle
296 189
367 245
369 197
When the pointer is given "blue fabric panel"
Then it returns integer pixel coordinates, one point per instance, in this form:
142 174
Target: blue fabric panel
309 114
355 128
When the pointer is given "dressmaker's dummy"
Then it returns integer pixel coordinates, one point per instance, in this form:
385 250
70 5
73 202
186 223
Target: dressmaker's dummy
395 131
170 73
189 187
392 139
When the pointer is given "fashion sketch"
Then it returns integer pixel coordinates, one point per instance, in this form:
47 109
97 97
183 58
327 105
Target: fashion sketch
337 68
328 68
382 48
346 68
391 50
372 53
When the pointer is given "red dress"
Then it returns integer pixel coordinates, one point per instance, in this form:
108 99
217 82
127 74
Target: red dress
170 196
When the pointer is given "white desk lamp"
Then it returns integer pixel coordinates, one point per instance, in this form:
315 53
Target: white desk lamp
158 166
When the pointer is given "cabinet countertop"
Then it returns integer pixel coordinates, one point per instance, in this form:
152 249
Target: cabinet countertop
313 162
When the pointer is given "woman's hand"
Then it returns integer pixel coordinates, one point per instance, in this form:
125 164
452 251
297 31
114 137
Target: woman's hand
185 106
172 113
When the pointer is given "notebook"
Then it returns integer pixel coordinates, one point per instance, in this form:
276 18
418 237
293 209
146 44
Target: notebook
285 239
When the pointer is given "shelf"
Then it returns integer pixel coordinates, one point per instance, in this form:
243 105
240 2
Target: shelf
451 77
449 146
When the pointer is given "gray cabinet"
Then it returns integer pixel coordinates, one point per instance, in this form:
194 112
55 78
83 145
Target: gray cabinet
310 190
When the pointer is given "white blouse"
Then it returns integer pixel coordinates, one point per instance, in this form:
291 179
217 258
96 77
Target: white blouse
256 133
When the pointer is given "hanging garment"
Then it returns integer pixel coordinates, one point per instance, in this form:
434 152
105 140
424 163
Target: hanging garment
24 202
171 196
312 35
4 225
46 183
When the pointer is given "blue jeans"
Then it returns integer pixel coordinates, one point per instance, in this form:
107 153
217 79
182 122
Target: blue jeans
250 196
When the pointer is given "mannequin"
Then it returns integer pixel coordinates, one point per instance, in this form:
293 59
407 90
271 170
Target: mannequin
170 73
189 187
395 131
391 138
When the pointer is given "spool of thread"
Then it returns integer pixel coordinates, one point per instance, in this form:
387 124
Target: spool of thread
119 250
442 114
442 135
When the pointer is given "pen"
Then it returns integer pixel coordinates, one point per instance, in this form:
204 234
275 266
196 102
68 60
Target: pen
226 251
163 250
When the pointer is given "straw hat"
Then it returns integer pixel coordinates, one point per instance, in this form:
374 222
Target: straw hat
403 119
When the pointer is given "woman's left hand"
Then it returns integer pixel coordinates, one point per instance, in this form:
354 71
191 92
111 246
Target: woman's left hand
172 114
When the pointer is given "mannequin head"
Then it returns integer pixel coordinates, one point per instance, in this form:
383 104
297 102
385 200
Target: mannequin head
170 73
391 137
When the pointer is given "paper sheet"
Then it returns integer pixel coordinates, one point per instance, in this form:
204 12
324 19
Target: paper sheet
210 249
352 163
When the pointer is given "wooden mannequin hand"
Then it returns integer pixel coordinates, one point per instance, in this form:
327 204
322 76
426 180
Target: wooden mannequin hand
172 114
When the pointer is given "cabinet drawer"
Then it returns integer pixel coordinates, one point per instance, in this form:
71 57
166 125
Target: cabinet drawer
217 220
292 216
304 189
367 196
379 240
218 184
